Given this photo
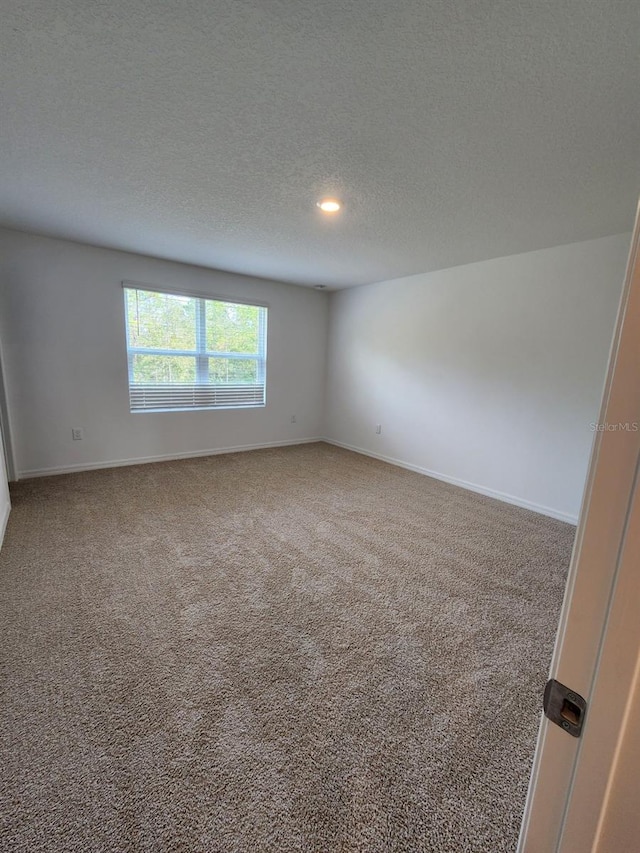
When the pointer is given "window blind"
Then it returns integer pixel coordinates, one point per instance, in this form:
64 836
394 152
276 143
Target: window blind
191 352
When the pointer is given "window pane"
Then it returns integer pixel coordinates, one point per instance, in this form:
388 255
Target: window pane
232 328
233 371
161 320
177 346
163 369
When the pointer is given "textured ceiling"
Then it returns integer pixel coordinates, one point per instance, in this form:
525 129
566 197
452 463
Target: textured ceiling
204 131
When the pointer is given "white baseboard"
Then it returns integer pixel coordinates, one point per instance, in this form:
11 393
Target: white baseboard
3 522
164 457
464 484
455 481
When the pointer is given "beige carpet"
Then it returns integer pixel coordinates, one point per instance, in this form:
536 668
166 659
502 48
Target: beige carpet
298 649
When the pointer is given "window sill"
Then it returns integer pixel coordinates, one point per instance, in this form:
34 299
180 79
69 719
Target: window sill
197 409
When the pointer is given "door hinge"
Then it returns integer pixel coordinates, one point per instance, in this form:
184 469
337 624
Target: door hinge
564 707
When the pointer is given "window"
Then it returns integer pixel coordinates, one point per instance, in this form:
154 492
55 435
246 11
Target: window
188 352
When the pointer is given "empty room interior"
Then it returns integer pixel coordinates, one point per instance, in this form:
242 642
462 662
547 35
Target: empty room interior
306 312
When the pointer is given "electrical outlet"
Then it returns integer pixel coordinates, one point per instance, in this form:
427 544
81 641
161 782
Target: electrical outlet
77 434
378 429
293 419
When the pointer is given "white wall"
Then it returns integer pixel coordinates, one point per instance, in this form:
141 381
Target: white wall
62 329
5 502
488 375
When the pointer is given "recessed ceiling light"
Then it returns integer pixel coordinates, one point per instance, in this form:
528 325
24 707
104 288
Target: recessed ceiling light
329 205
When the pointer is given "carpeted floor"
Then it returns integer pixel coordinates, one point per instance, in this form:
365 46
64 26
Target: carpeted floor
298 649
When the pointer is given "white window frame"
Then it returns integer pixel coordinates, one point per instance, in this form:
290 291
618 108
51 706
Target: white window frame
201 390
